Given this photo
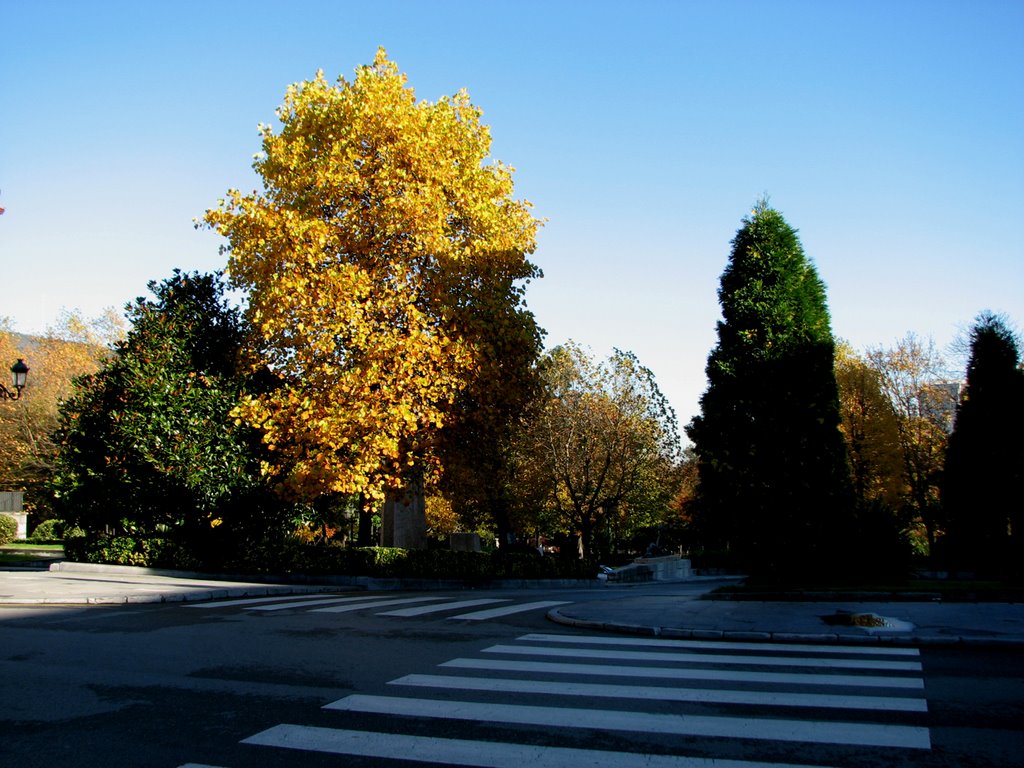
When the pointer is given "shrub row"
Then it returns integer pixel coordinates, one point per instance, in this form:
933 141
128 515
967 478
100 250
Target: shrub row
297 557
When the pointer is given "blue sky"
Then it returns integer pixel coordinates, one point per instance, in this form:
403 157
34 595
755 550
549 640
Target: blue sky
891 134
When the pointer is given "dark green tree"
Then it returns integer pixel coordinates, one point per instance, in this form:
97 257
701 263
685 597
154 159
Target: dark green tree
478 475
148 445
984 468
774 484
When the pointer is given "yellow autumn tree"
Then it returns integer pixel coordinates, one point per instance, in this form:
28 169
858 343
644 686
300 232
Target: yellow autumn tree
72 347
382 234
871 430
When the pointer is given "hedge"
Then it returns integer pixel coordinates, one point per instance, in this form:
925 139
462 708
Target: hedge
297 557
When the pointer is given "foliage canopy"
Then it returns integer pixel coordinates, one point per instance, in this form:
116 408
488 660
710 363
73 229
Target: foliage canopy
984 467
602 449
147 444
774 486
70 348
385 263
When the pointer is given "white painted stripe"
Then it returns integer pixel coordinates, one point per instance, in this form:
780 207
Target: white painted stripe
260 600
198 765
681 657
424 609
484 754
376 604
494 613
723 645
325 601
769 729
661 693
677 673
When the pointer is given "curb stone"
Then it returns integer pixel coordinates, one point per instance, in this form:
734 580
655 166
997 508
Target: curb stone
325 583
824 638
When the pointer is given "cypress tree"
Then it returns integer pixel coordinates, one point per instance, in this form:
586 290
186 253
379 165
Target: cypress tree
773 478
984 467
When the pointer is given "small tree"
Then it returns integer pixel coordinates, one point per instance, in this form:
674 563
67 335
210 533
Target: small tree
984 468
912 377
149 444
774 484
871 432
604 446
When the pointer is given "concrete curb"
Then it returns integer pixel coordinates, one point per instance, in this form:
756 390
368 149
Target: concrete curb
824 638
178 597
68 566
325 583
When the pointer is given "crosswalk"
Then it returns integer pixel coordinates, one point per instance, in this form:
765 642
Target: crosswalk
336 604
693 699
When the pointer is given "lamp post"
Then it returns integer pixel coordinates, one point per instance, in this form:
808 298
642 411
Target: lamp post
19 375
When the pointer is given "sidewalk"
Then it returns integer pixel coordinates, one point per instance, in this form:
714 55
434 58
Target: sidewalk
85 584
904 623
669 613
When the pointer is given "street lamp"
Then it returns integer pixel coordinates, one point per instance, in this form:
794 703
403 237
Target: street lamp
19 375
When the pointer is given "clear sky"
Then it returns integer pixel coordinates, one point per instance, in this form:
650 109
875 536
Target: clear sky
890 133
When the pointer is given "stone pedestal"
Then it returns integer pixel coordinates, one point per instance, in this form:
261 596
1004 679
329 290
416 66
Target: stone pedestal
670 568
464 542
404 519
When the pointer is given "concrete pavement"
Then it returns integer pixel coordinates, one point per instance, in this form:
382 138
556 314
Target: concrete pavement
668 610
898 623
82 583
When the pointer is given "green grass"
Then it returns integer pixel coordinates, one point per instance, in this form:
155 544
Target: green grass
25 552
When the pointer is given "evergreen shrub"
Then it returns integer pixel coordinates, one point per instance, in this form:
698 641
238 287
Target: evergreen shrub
47 531
8 529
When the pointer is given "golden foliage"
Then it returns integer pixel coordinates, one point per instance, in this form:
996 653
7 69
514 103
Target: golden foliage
378 217
71 348
870 429
442 519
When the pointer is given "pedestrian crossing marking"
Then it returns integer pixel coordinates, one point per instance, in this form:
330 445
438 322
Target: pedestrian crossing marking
376 604
282 606
494 613
453 606
481 754
297 600
665 693
772 729
339 603
668 672
722 645
707 658
677 673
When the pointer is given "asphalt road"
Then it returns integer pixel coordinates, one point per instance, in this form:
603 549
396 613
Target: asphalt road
448 678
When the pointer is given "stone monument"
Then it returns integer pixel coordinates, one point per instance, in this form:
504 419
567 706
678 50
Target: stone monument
404 518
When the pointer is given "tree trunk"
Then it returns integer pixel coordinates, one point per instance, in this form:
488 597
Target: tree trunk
365 537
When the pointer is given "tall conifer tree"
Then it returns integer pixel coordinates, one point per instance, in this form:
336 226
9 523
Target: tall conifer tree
774 482
985 458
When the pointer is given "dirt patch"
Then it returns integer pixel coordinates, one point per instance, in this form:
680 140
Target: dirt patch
847 619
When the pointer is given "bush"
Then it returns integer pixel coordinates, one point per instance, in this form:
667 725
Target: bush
128 550
48 530
8 529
